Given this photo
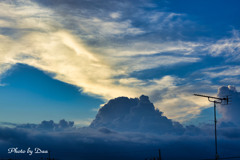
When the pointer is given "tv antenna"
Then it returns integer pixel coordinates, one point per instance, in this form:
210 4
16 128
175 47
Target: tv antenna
215 100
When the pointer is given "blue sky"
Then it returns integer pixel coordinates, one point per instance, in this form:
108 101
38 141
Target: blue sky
63 59
37 96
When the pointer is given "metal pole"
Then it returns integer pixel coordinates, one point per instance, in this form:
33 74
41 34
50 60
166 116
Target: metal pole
215 120
49 157
159 152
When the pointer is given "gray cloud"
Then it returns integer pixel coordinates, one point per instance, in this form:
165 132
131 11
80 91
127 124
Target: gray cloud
138 114
49 125
88 143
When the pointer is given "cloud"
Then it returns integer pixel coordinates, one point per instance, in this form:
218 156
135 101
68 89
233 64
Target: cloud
149 62
137 115
49 125
85 122
52 48
115 15
57 51
180 97
105 130
231 111
222 71
229 47
231 81
88 143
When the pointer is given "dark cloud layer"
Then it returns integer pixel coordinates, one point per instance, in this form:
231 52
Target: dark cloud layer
89 144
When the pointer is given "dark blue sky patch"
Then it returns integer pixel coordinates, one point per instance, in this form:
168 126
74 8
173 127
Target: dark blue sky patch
217 15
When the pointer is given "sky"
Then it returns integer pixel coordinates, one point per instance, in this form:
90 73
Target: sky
65 60
95 51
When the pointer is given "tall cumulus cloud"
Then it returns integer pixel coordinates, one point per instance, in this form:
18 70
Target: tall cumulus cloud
134 114
231 111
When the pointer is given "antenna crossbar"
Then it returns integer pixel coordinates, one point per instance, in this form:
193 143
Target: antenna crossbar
210 97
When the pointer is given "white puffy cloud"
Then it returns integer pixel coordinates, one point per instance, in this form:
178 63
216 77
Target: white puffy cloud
231 111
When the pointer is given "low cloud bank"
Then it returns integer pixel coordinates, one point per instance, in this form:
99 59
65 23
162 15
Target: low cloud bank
90 143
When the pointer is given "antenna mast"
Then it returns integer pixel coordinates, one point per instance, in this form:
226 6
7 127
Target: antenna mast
215 100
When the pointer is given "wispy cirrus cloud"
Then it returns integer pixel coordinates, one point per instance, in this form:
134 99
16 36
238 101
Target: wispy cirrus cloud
228 47
234 81
223 71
